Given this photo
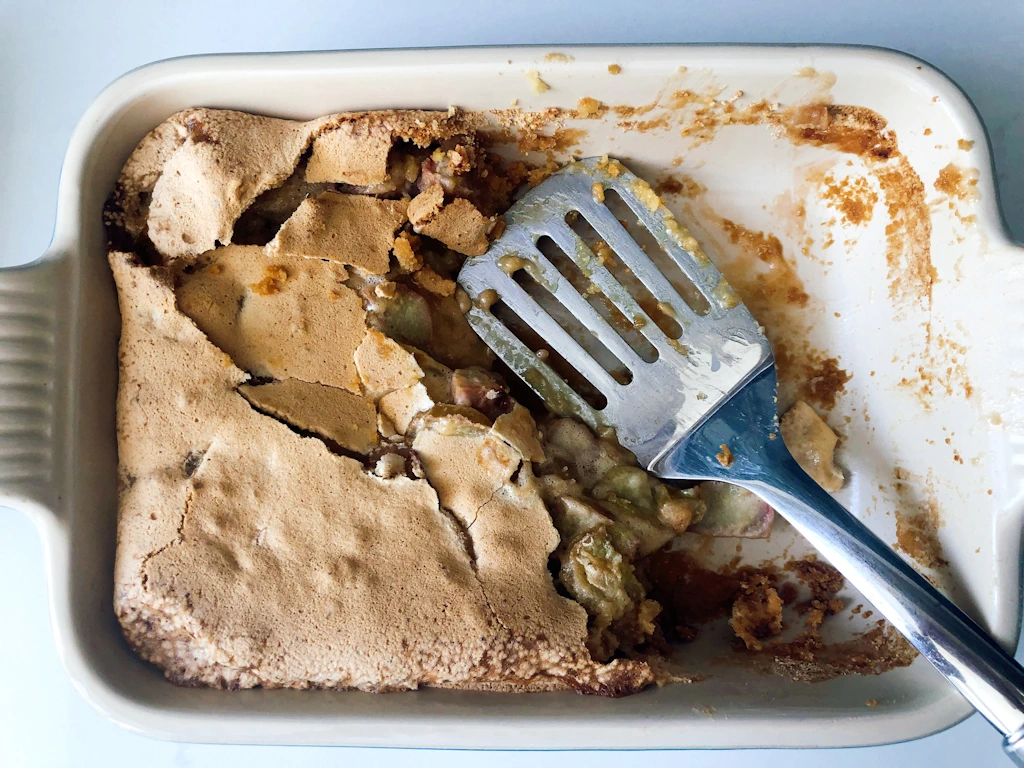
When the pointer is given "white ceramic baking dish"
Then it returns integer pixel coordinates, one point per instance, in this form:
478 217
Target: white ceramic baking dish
59 329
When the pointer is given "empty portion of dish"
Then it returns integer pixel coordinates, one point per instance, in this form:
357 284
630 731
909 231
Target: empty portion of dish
326 481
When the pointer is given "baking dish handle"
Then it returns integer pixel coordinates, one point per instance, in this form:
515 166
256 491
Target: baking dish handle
28 384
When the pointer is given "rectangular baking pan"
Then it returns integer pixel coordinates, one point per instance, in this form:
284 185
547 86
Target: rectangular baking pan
58 341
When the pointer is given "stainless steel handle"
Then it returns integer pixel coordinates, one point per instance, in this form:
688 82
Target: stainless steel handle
1013 745
966 655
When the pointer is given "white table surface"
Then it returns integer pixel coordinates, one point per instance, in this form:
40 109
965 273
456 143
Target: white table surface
56 56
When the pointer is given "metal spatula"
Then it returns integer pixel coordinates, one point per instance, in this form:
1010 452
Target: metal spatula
702 406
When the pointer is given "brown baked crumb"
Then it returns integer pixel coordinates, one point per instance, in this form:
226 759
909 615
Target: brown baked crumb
724 456
757 612
614 69
405 252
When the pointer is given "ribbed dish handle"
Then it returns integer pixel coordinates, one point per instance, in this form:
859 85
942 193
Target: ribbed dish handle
28 383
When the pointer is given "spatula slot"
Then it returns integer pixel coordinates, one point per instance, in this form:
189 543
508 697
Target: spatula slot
546 356
571 325
626 329
689 292
624 275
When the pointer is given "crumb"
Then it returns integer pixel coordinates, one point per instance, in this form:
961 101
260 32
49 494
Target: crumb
965 145
614 69
404 249
597 190
725 456
536 84
757 612
562 58
871 703
588 107
927 131
514 102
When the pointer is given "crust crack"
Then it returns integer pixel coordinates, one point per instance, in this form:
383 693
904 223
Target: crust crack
331 445
494 494
179 537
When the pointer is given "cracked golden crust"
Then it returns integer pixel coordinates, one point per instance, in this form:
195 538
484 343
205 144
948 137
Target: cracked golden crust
484 482
281 316
188 180
226 160
354 230
384 365
356 152
239 562
331 413
227 579
459 225
519 430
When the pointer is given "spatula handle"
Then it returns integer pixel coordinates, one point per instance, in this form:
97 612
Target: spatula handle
966 655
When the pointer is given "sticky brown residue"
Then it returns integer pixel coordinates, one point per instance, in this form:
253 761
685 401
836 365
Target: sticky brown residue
865 133
879 650
944 375
274 278
823 379
756 612
781 284
678 184
808 658
560 140
852 197
824 582
918 519
908 235
626 111
965 145
770 287
848 129
614 69
660 122
956 182
692 595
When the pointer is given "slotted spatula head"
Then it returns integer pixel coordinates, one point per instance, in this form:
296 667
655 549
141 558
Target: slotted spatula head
658 402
